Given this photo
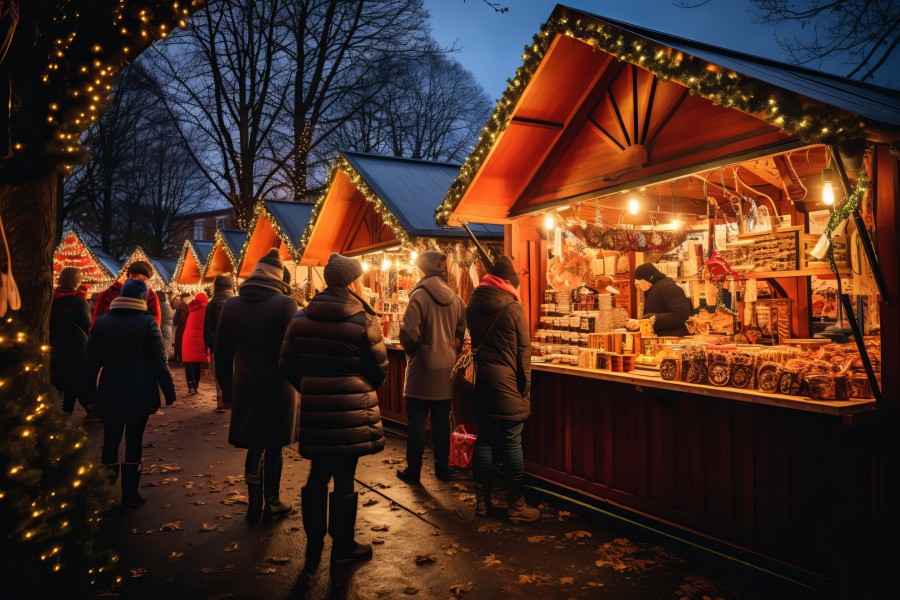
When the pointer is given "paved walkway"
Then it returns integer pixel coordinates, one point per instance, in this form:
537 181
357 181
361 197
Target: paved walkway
190 539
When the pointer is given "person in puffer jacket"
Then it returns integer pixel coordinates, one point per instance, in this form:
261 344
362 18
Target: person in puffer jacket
334 355
502 344
193 349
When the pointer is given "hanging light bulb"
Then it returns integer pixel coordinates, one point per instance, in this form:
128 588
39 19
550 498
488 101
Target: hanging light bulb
677 223
365 266
827 188
385 264
549 222
633 206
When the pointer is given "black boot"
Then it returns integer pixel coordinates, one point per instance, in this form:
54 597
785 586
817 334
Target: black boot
112 473
315 522
484 486
253 477
341 522
272 486
131 478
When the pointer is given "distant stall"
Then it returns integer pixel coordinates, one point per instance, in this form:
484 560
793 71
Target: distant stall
276 224
225 256
166 269
98 268
190 267
157 283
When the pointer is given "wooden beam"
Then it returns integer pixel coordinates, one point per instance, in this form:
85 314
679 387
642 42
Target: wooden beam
536 123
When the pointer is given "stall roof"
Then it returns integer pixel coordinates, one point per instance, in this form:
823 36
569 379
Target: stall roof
165 267
108 261
202 249
411 189
235 239
292 217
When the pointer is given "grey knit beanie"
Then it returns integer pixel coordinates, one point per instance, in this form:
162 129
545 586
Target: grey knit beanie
269 266
342 271
69 278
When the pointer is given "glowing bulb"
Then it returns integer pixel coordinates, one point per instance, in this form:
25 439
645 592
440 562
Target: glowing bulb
676 223
633 206
827 193
385 265
549 222
365 266
413 256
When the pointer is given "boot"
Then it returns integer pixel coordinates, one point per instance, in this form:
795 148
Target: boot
341 522
484 485
131 478
315 522
517 511
254 491
112 473
272 486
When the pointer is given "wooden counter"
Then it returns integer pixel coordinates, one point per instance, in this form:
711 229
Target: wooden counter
640 379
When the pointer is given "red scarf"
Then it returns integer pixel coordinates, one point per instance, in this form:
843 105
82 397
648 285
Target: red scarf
500 284
61 293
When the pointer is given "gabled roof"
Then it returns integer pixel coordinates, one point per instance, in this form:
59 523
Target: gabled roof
165 267
235 239
202 249
411 189
292 217
108 261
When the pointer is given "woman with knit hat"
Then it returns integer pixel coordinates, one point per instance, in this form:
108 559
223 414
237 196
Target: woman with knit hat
264 406
126 352
334 355
70 321
502 394
665 304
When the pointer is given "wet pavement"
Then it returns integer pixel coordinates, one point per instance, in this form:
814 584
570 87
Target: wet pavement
190 539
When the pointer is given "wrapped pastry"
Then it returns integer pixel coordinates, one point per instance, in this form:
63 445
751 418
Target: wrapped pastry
670 369
767 377
858 386
742 376
821 387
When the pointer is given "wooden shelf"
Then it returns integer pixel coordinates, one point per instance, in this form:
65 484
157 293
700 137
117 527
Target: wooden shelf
844 271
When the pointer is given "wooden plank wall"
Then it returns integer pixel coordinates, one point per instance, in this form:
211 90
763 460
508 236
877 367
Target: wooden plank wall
775 480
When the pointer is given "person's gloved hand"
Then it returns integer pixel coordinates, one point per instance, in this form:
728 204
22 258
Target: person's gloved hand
632 325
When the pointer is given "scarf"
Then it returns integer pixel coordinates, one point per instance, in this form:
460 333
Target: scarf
500 284
62 293
267 282
125 303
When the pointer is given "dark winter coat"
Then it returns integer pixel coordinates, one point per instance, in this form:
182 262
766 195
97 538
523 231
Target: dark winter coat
503 385
180 322
248 340
127 345
193 349
165 326
670 305
333 353
105 298
70 321
435 318
211 320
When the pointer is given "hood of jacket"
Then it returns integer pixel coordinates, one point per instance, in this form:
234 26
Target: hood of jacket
198 303
488 299
221 296
437 288
336 304
257 293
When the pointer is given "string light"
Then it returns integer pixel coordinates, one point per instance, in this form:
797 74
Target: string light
633 206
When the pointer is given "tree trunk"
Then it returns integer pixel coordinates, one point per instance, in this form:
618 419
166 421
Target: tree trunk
29 212
302 141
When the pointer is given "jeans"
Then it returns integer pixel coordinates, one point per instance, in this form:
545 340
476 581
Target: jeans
417 411
506 437
133 429
192 374
263 466
322 470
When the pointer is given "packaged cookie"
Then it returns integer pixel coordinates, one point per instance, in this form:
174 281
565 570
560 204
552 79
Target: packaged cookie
767 377
719 371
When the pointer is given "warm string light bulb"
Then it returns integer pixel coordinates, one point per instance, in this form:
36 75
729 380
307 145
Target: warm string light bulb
365 266
413 256
827 188
385 265
549 222
633 206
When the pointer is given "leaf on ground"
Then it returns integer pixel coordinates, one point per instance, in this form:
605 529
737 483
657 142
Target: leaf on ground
525 578
578 534
451 551
198 502
220 517
208 527
170 469
379 527
394 505
430 504
161 482
534 539
410 591
279 560
265 570
489 528
171 526
595 584
422 559
393 461
232 547
377 540
458 589
175 448
567 580
175 555
370 502
135 573
563 513
491 559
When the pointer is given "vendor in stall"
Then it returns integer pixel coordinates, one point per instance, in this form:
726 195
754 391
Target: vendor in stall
665 304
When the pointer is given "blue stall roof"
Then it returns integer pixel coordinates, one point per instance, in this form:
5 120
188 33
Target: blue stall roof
165 267
108 261
202 249
235 239
293 217
412 189
875 104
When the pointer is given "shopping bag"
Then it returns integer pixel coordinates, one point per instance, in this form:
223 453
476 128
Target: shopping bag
462 445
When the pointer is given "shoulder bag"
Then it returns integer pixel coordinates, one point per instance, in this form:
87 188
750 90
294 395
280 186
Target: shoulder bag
465 371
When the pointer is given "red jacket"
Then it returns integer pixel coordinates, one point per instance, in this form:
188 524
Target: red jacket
105 298
193 348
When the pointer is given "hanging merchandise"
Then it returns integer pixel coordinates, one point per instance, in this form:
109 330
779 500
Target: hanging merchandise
627 240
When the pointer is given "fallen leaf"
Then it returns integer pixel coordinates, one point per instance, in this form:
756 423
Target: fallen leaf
265 570
377 540
534 539
170 469
393 461
410 591
135 573
491 559
395 506
370 502
161 482
489 528
458 589
578 534
208 527
567 580
595 584
422 559
279 560
171 526
232 547
175 555
379 527
198 502
430 504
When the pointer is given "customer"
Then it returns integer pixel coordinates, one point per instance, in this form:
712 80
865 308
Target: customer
264 406
334 355
502 390
139 269
126 351
223 289
180 321
665 304
165 325
70 320
433 328
193 350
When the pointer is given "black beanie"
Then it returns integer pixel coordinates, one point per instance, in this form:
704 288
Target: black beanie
648 272
504 269
134 288
223 282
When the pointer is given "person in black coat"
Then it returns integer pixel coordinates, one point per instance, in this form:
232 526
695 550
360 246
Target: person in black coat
502 396
665 304
70 321
223 289
127 346
334 355
263 404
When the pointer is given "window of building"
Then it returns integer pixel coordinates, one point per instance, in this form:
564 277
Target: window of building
199 230
221 222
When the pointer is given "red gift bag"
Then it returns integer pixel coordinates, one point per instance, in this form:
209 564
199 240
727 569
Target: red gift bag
462 445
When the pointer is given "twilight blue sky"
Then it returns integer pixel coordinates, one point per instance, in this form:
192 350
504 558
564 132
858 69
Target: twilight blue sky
492 42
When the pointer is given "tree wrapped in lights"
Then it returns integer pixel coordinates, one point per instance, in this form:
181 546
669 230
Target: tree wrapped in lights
51 496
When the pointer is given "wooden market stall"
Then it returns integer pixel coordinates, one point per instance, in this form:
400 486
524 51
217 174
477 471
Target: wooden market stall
98 268
379 208
157 283
276 224
612 137
225 256
191 265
